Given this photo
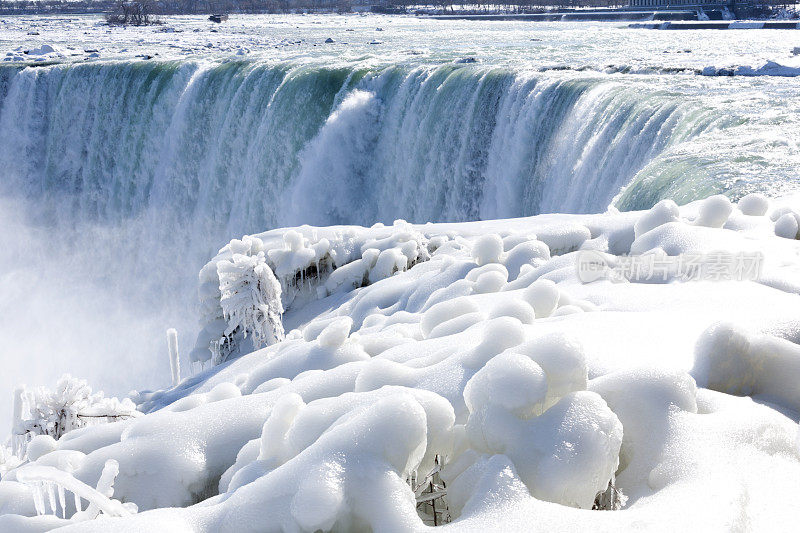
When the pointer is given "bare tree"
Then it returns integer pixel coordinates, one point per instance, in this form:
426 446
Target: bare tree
134 13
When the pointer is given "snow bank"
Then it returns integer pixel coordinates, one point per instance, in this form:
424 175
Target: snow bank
393 377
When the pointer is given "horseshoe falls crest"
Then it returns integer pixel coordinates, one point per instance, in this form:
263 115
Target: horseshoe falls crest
119 179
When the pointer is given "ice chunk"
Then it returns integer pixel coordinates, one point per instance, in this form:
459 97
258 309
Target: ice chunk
645 400
41 50
457 325
476 273
499 334
382 441
564 362
525 253
566 455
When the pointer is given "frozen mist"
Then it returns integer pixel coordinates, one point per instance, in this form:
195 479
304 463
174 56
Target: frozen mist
127 185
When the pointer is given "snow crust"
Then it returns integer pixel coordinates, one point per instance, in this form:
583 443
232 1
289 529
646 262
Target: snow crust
381 379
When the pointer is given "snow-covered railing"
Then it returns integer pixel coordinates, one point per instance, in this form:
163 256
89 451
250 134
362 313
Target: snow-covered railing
48 482
431 495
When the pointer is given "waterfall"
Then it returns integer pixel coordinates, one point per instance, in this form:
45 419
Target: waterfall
238 147
119 179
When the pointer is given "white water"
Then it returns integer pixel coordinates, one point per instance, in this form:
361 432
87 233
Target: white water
118 179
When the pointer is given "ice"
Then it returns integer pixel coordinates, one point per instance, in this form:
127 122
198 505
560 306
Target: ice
567 310
564 362
476 273
43 416
518 309
525 253
499 334
644 401
385 440
44 480
250 298
509 381
174 360
336 332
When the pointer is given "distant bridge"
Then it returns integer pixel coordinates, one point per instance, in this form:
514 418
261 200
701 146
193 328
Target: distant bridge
671 4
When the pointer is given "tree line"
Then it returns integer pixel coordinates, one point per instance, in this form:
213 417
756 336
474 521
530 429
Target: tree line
147 11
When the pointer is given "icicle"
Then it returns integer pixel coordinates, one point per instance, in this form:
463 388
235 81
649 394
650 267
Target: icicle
38 498
78 507
174 358
51 496
62 499
19 404
41 478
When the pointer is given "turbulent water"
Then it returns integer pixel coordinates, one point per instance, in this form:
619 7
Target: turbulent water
119 178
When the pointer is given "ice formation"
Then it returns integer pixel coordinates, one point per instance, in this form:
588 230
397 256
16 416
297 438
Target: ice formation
396 377
41 415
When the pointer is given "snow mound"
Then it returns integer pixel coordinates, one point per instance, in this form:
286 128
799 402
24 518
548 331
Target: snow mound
663 212
730 360
566 454
788 226
714 211
754 204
